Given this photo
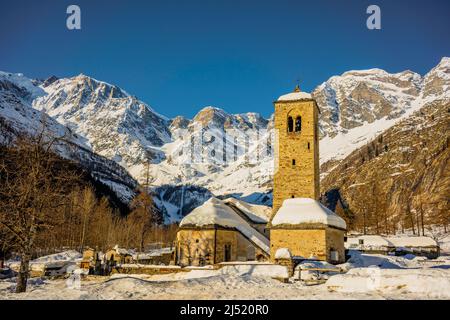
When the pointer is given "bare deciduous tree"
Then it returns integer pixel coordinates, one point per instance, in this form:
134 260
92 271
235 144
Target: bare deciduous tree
33 188
143 216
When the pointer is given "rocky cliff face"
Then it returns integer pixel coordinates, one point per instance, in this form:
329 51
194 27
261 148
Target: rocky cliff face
359 105
401 178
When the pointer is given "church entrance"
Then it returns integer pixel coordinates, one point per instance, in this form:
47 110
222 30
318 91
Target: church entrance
227 253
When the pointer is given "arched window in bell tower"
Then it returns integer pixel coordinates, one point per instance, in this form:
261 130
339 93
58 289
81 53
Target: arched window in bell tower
298 124
290 124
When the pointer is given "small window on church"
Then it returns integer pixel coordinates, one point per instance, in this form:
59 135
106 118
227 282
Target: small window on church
290 124
293 162
298 124
309 146
334 255
292 197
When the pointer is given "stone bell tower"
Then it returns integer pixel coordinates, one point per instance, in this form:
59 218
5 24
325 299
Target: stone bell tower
297 148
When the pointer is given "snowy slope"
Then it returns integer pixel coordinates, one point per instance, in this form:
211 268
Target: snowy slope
205 165
359 105
16 96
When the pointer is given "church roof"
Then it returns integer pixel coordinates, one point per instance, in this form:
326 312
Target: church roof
296 95
298 211
256 213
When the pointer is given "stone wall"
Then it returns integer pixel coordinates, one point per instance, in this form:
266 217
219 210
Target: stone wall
299 180
318 242
227 237
164 258
335 241
197 247
304 243
145 269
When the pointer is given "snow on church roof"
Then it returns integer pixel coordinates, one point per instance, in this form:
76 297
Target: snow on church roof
305 210
256 213
295 96
216 212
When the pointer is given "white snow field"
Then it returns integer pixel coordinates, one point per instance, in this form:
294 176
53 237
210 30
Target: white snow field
367 277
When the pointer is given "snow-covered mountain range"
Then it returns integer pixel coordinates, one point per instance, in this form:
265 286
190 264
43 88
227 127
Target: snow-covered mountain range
187 160
18 117
359 105
115 124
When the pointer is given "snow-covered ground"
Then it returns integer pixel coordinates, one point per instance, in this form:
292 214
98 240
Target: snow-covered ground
366 277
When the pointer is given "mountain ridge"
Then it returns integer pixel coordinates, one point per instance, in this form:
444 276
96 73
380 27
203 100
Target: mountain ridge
356 106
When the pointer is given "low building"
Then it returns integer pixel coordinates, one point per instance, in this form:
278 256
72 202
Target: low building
161 256
374 244
419 246
309 230
219 232
118 256
52 265
92 260
394 245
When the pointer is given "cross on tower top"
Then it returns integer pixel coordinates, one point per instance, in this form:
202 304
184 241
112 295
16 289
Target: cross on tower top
297 86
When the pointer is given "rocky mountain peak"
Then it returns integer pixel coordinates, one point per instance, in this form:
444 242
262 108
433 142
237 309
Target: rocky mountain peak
179 122
365 73
211 116
116 124
437 81
252 120
49 81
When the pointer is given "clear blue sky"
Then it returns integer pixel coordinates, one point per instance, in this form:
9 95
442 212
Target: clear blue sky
179 56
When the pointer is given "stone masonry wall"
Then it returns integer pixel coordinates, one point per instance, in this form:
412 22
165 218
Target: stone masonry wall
303 243
226 237
207 246
335 241
195 246
299 180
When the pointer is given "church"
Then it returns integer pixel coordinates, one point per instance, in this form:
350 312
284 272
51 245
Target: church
297 227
